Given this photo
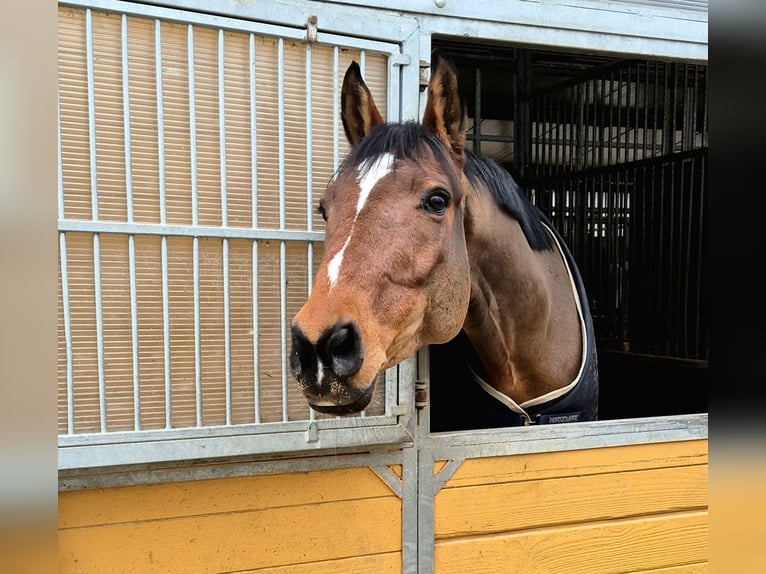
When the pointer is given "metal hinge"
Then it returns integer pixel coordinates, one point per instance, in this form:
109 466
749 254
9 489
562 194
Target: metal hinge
421 394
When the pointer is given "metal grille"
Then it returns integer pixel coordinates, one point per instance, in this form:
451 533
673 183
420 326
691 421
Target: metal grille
192 152
614 151
617 159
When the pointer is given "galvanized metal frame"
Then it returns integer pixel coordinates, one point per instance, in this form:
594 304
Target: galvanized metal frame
93 450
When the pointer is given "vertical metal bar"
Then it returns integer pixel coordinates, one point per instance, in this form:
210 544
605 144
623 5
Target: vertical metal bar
282 246
195 221
477 112
620 127
645 107
602 123
224 223
700 251
131 238
309 177
335 110
254 221
94 216
163 219
704 115
634 87
559 159
65 284
309 169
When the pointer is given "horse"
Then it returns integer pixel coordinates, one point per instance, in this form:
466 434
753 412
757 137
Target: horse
427 243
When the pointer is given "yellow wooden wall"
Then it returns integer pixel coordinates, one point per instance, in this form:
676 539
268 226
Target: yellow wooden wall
338 521
636 508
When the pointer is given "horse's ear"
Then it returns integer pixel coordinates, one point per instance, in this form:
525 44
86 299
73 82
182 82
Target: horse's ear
358 110
445 113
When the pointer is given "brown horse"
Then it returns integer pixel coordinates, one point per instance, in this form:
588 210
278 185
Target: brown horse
425 239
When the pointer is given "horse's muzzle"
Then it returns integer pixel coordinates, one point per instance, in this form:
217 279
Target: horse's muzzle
324 368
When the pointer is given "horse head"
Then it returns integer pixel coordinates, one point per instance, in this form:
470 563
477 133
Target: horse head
395 271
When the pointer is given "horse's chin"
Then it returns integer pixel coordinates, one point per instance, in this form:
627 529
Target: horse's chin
354 407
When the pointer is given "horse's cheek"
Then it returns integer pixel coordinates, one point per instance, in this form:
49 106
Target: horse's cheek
450 293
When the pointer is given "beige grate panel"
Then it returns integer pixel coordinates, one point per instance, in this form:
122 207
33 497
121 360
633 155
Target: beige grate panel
194 343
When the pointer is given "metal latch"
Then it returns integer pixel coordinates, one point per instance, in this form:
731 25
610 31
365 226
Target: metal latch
312 432
311 29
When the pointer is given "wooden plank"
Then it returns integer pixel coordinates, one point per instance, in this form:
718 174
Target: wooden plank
236 541
634 545
152 502
575 463
522 505
699 568
389 563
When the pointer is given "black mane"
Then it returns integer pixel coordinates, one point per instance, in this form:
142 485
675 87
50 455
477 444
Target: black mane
508 195
404 141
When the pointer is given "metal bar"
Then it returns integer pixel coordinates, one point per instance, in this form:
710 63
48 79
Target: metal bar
67 333
195 221
700 253
309 177
224 223
282 246
94 216
65 280
335 110
129 207
477 111
254 221
635 89
174 230
163 219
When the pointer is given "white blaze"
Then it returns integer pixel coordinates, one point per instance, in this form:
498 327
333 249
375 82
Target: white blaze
369 172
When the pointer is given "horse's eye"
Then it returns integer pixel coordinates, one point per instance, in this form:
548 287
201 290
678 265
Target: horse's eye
436 202
322 212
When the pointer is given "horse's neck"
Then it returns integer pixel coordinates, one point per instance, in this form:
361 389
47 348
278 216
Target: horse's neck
522 320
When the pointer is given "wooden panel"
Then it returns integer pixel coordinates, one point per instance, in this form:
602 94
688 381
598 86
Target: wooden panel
576 463
635 545
235 524
84 508
378 564
519 505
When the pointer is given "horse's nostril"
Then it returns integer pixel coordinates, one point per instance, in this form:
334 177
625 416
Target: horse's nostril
342 348
303 355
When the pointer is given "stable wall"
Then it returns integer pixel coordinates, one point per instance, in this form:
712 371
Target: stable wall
639 508
338 521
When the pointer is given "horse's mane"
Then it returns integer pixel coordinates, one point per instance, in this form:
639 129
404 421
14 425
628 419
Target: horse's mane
405 140
483 171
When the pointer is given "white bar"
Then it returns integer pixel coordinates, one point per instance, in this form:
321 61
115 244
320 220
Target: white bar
99 330
254 215
65 287
309 169
224 223
163 220
195 222
91 114
309 183
166 332
282 246
94 215
131 238
67 334
335 110
160 118
156 229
